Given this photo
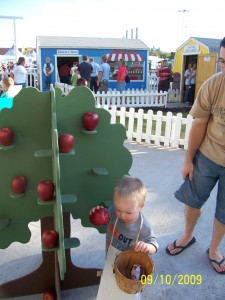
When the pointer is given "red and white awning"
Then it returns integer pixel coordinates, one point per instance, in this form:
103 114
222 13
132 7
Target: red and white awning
125 56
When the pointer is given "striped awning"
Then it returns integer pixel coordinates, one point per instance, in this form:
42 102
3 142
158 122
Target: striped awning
125 56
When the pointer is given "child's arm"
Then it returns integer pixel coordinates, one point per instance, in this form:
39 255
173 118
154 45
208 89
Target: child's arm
147 242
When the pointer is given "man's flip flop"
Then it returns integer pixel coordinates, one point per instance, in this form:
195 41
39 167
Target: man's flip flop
180 247
219 263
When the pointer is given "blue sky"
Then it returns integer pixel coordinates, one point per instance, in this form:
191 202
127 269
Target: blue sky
158 25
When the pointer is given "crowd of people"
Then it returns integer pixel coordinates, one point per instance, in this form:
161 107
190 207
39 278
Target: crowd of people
13 74
5 69
87 73
97 76
165 77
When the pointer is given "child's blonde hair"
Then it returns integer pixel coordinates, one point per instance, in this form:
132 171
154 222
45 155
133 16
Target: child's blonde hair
6 83
132 188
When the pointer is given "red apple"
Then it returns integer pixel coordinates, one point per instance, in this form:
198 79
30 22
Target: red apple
46 190
50 238
99 217
49 294
65 142
19 184
90 121
6 136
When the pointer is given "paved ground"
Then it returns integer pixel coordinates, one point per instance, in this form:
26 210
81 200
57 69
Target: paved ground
186 276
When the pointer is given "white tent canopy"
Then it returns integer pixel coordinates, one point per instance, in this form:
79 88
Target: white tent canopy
11 52
10 55
6 58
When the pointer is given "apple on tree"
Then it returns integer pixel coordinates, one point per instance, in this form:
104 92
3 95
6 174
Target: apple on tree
66 142
19 184
50 238
46 190
49 294
99 216
6 136
90 121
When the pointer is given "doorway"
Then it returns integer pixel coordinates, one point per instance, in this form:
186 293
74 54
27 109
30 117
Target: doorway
62 60
187 59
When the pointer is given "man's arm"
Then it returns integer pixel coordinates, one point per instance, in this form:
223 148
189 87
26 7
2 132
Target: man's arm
99 77
197 134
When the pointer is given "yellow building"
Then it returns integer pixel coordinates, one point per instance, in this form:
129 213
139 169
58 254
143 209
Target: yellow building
200 51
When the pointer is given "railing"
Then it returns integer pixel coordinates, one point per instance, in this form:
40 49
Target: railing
128 98
174 96
32 77
131 98
156 99
153 82
167 130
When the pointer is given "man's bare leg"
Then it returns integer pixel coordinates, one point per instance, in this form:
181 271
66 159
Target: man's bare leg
214 253
191 217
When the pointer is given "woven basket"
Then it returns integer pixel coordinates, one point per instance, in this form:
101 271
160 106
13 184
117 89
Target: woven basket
122 267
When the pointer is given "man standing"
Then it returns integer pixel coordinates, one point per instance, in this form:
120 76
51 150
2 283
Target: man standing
103 75
204 166
85 69
94 75
187 76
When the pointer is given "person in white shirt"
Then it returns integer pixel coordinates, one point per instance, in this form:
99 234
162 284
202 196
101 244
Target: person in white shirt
74 67
193 83
19 73
187 76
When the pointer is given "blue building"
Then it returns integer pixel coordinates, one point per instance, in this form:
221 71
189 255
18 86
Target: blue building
54 51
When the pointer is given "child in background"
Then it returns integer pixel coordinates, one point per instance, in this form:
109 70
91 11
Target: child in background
74 77
81 82
127 229
6 84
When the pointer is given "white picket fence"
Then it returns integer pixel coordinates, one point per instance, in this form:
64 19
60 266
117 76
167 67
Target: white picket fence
32 77
153 82
131 98
128 98
173 95
169 130
161 130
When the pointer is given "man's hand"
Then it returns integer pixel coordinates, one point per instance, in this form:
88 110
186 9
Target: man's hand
187 170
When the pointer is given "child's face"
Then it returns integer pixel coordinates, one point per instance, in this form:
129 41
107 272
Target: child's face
4 88
126 210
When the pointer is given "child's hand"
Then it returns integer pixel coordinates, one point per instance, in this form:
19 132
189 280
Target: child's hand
94 208
141 247
144 247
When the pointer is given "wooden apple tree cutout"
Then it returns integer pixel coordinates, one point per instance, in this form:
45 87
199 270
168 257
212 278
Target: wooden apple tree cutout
83 178
29 119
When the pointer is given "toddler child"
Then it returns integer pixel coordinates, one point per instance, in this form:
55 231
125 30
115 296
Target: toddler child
7 82
127 229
